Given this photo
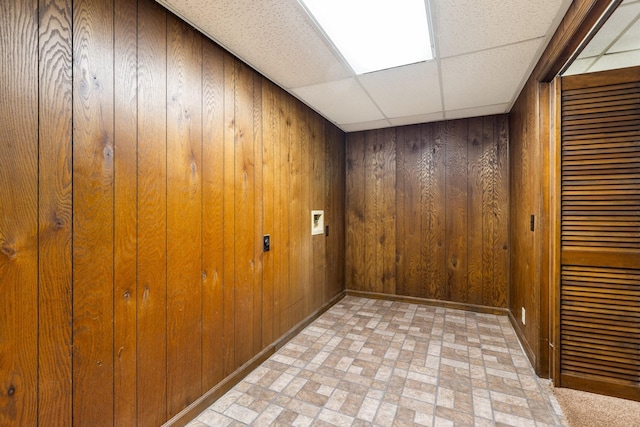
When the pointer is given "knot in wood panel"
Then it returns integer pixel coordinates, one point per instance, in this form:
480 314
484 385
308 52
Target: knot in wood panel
9 251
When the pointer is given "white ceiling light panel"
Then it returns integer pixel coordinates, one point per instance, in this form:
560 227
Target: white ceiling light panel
375 35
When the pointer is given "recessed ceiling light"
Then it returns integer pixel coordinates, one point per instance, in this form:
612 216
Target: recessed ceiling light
375 35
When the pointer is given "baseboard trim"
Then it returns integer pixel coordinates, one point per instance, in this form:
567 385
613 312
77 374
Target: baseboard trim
523 341
432 302
203 402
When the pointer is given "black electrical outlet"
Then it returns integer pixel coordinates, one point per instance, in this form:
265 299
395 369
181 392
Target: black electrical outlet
326 230
266 243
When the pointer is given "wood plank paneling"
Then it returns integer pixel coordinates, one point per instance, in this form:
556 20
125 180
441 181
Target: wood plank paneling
19 213
456 208
295 216
229 216
269 135
477 177
387 223
488 174
434 219
434 212
355 221
244 214
93 216
125 211
410 168
258 215
335 199
307 290
525 170
152 214
371 193
184 215
501 214
212 215
137 195
319 185
55 212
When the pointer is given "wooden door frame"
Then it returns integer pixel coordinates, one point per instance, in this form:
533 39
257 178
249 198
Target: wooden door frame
581 22
550 189
555 216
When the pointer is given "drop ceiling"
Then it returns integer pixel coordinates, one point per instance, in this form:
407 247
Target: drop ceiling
485 50
615 45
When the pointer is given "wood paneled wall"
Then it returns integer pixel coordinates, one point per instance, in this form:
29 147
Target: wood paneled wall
428 211
140 172
534 139
526 199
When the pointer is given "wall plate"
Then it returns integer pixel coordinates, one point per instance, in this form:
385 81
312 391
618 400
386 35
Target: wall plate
317 222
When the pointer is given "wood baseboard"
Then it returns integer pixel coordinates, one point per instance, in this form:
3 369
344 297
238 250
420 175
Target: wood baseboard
523 341
436 303
207 399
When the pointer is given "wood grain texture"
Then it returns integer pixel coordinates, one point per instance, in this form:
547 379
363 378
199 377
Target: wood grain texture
335 177
476 180
93 216
387 222
437 201
137 195
125 211
284 212
524 123
229 216
524 152
307 289
434 212
319 200
152 214
212 215
55 212
279 238
411 171
599 238
184 217
488 174
295 216
456 209
244 214
355 221
269 135
258 214
19 213
372 209
502 216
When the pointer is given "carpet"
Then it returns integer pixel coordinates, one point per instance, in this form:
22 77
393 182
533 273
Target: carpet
594 410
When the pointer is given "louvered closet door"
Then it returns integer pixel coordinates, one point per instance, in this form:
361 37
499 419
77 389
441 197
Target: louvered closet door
600 267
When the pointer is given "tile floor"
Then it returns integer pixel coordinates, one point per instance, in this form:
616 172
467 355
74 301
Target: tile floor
380 363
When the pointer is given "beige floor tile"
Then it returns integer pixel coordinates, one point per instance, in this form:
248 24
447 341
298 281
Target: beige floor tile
379 363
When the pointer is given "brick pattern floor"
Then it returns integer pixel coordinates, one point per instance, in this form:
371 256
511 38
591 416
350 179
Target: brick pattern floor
379 363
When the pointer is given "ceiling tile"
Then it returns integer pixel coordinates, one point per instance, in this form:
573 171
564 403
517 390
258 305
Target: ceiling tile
617 60
341 101
276 37
478 111
579 66
464 26
488 77
405 91
617 22
355 127
423 118
630 40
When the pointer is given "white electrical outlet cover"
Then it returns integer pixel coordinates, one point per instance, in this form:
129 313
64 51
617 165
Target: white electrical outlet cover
317 222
